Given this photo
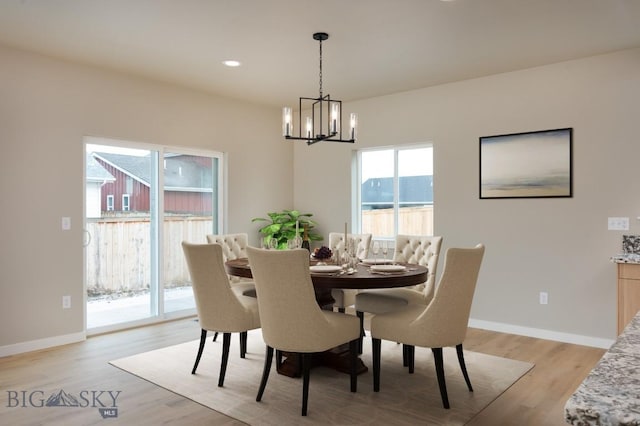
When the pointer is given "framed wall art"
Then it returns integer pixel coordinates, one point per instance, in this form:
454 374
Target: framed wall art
527 165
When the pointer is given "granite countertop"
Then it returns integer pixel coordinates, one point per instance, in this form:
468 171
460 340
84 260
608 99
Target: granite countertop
626 258
610 394
630 250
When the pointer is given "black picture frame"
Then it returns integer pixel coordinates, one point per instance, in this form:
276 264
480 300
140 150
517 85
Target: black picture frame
535 164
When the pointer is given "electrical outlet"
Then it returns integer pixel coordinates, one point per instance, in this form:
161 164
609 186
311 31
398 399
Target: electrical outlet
544 298
66 302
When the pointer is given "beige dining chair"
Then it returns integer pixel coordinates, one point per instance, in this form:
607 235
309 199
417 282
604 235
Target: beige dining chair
234 246
291 319
220 307
441 323
417 249
345 297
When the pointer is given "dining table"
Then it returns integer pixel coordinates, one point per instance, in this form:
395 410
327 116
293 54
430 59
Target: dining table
364 276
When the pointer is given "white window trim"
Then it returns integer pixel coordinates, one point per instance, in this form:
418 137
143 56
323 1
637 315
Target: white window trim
126 202
357 179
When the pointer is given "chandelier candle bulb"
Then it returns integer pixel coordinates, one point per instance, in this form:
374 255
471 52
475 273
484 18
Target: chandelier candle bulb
287 121
353 125
309 128
335 114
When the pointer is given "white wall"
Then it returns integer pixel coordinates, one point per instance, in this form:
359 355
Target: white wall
561 246
46 108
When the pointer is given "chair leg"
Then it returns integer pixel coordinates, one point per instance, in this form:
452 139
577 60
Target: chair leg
375 347
243 344
463 366
362 333
215 336
226 343
203 337
265 372
353 352
306 367
405 355
411 358
437 357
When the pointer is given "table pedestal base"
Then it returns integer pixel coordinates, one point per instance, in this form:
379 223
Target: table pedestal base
337 358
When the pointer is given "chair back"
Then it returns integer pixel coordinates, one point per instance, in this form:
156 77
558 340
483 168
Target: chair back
446 318
290 316
422 250
217 305
234 246
363 242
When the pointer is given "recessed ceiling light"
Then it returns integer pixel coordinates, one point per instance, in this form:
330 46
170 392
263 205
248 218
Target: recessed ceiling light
231 63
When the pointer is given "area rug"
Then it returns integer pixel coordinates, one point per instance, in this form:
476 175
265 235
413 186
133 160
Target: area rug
404 399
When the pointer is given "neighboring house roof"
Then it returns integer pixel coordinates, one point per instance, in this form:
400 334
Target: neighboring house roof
413 190
182 173
95 172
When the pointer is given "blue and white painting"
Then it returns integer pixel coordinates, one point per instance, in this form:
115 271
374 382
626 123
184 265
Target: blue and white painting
534 164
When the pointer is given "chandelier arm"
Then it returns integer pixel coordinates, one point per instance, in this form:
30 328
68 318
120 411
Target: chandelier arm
311 141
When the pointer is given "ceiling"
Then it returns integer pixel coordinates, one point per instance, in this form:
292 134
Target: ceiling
376 47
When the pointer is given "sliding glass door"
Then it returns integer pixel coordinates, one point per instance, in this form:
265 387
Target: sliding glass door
191 200
141 203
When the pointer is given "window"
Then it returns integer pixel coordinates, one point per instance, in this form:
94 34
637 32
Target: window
125 202
395 191
110 203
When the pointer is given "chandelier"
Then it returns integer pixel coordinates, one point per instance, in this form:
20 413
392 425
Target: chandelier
325 122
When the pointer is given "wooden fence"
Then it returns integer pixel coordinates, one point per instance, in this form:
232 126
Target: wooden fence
119 256
411 221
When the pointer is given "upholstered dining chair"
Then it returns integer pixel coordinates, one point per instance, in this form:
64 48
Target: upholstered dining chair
440 324
417 249
220 307
234 246
344 297
291 319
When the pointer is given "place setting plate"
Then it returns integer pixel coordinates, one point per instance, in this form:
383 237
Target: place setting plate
325 269
370 262
388 268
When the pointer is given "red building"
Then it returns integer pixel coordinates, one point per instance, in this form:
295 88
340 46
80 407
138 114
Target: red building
188 183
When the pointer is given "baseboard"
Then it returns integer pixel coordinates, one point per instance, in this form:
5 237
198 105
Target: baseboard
539 333
49 342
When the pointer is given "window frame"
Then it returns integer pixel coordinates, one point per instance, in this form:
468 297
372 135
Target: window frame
126 202
111 203
357 184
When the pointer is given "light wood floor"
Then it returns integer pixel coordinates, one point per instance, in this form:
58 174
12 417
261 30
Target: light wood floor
536 399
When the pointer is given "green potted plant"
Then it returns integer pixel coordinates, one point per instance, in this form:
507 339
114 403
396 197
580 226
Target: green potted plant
282 226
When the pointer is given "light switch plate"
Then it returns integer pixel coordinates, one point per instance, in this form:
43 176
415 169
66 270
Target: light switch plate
618 223
66 223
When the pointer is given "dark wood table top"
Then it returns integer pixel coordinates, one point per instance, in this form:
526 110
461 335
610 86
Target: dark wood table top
364 278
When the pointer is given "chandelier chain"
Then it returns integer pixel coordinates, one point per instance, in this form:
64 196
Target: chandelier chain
320 74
